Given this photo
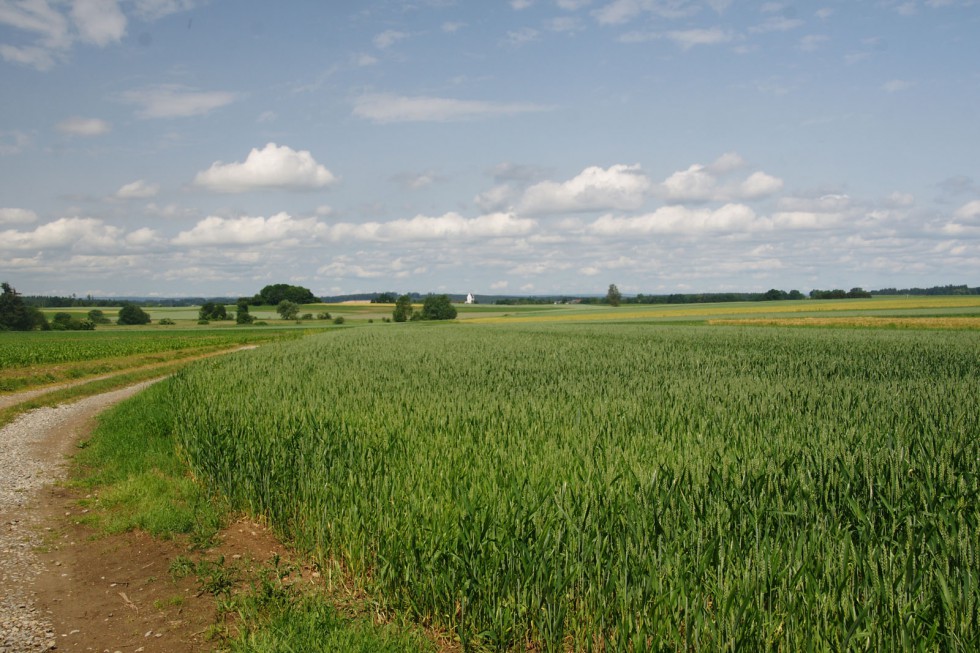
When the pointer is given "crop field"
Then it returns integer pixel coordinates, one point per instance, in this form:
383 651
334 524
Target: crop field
40 357
618 486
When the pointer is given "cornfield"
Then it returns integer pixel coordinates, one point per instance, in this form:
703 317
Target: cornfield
618 487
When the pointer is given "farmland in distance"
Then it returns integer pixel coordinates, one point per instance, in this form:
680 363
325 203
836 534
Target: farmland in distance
617 486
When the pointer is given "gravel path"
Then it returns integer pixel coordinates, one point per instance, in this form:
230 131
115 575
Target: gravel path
32 455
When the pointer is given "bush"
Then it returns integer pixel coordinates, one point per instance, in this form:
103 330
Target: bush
132 314
306 316
339 319
323 316
202 322
166 321
438 307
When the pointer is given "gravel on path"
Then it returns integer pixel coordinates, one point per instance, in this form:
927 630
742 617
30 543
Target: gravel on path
33 450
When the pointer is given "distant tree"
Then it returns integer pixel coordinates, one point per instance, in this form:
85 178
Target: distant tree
385 298
795 294
339 319
212 311
287 310
403 309
242 316
14 314
132 314
438 307
613 296
272 295
96 316
68 322
773 295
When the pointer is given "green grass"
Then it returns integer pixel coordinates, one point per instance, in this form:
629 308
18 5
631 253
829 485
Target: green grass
130 469
618 486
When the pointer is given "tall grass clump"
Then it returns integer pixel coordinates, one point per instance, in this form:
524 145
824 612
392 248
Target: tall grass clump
618 487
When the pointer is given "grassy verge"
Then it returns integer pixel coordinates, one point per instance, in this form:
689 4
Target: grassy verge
135 480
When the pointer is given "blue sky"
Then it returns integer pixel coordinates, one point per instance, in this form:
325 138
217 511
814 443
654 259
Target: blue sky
189 147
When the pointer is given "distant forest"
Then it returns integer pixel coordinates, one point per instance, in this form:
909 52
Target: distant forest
512 300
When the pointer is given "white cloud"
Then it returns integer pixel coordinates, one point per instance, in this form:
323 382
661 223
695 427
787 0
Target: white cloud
969 212
700 183
144 237
17 216
452 26
175 101
565 24
450 226
13 142
273 167
138 189
279 229
388 38
65 233
677 220
498 198
777 24
572 5
521 36
896 85
154 9
617 187
390 108
812 42
77 126
520 5
99 22
687 39
47 25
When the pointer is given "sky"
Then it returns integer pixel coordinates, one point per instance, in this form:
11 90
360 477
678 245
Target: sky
209 148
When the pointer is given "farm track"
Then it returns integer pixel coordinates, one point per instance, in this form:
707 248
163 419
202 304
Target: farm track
14 398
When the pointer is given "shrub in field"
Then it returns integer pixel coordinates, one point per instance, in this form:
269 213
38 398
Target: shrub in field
67 322
339 319
96 316
438 307
403 309
212 311
132 314
287 310
166 322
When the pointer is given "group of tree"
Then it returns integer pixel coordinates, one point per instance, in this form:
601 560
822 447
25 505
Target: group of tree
934 290
212 311
385 298
131 314
435 307
853 293
273 294
15 315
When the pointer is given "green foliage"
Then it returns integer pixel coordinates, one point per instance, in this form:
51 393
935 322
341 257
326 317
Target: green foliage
385 298
608 487
403 309
96 316
274 294
212 311
438 307
132 314
339 319
287 310
67 322
242 316
166 322
613 296
323 316
17 316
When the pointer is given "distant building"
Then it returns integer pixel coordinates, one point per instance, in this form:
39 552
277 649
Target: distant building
470 299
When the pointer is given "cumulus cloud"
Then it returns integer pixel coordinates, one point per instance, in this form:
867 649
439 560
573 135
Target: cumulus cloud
388 38
65 233
17 216
138 189
450 226
969 212
390 108
272 167
594 189
175 101
677 220
77 126
690 38
702 183
279 229
99 22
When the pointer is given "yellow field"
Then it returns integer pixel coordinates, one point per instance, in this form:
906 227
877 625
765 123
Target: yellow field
927 306
876 322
